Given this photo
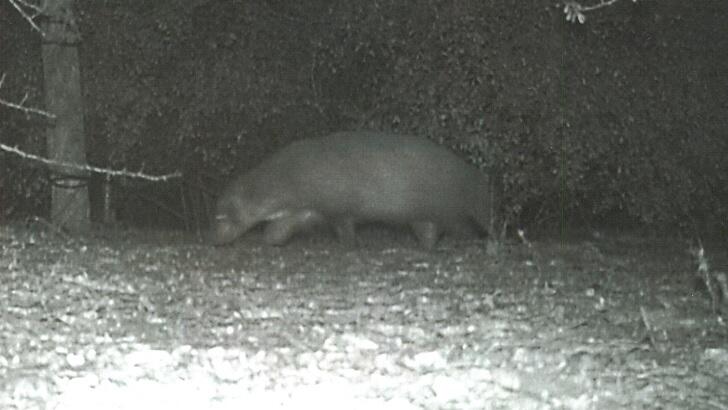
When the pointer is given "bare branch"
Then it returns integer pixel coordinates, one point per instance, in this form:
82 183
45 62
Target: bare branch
38 9
21 105
20 4
90 168
27 110
601 4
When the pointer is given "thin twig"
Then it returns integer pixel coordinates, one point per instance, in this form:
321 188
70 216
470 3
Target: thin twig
598 6
27 110
21 105
38 9
90 168
19 4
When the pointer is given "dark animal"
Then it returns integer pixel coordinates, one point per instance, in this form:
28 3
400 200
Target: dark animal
349 178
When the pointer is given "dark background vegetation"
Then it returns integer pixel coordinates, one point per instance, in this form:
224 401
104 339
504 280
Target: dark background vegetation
621 121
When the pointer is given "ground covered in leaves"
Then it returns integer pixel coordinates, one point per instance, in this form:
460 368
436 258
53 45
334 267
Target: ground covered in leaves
140 320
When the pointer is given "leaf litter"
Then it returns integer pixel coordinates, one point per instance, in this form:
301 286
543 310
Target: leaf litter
141 321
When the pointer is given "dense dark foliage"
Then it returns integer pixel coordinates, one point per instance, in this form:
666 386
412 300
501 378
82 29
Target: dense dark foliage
620 120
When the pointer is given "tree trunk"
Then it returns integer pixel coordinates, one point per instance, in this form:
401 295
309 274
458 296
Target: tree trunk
65 135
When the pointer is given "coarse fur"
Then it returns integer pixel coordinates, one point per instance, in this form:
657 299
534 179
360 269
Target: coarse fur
356 177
